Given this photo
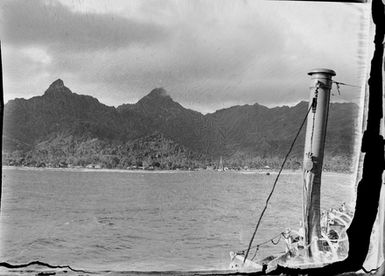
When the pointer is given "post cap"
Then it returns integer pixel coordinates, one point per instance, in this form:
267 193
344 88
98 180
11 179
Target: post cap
322 71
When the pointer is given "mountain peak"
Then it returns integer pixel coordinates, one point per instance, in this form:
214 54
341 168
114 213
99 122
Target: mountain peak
159 92
158 96
57 84
57 88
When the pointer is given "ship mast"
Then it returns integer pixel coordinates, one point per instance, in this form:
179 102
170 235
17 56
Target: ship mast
321 82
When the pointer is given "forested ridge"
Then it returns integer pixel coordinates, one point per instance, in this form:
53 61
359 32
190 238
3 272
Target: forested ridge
65 129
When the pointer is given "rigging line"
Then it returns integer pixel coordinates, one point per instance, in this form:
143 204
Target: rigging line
266 241
275 182
242 252
346 84
334 93
8 265
344 99
255 253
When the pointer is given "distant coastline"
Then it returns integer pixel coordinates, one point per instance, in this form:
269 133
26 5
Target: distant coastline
63 129
271 172
85 169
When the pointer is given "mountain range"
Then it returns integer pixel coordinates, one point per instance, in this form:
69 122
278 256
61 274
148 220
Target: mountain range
64 127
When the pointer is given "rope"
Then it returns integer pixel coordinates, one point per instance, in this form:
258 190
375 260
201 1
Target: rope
269 240
275 182
265 242
257 246
275 243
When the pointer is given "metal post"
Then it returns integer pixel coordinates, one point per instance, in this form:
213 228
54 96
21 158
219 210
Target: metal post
321 82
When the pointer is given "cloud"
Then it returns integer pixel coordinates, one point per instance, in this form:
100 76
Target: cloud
207 54
193 54
55 26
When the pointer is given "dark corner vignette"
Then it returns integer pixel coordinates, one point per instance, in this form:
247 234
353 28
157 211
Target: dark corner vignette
368 190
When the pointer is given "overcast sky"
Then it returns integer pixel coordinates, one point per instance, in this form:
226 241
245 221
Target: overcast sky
207 54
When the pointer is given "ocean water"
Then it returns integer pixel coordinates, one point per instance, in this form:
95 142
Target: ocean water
148 221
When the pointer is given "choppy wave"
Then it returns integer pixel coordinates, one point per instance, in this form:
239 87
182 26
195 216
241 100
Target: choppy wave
101 221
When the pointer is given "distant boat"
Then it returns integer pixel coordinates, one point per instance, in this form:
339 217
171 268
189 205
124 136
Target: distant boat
220 166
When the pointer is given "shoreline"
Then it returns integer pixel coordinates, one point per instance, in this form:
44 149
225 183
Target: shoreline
250 171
